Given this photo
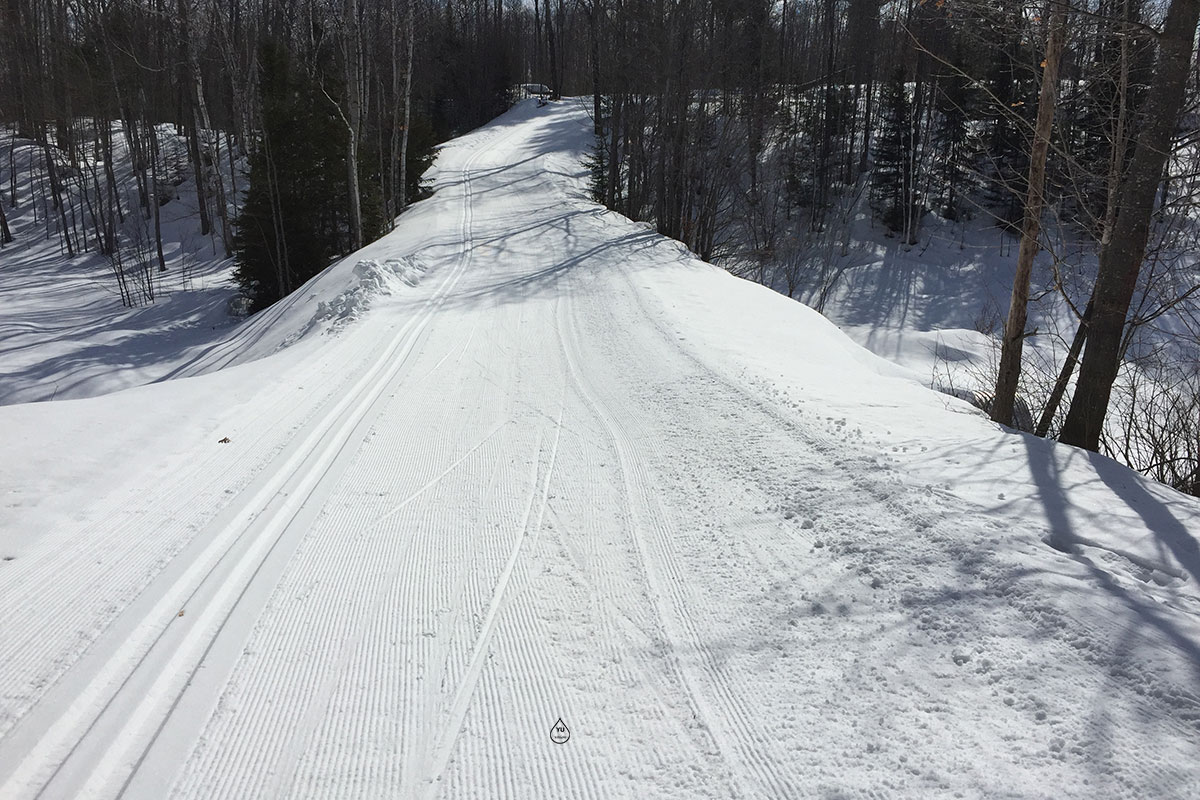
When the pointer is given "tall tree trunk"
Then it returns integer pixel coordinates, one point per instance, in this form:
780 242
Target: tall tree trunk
410 31
1014 327
593 16
537 40
865 15
204 134
560 78
193 145
612 187
391 201
1064 375
1121 259
5 234
352 54
552 45
56 190
1117 150
158 242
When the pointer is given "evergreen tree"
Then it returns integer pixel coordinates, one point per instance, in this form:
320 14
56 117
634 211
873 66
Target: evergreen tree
893 178
1013 91
953 141
294 217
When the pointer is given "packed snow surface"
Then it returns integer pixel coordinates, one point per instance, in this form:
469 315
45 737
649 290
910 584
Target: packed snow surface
524 466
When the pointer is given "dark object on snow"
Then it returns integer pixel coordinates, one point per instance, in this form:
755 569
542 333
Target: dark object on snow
223 441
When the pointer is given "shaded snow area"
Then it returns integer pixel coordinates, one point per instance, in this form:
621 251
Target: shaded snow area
65 333
576 515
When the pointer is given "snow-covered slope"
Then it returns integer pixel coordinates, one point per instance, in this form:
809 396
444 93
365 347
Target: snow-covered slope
573 474
65 333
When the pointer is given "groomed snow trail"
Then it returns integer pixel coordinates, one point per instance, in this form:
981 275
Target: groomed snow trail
523 493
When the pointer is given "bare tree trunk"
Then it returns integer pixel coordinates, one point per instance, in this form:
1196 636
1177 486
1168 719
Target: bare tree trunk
352 53
158 244
551 43
233 187
12 170
611 186
593 16
866 63
56 190
1064 375
1116 160
391 201
408 66
1014 327
5 234
537 39
1121 259
193 142
202 124
110 174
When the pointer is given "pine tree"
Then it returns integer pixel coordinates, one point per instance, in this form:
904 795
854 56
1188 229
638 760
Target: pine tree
893 177
294 219
953 141
597 166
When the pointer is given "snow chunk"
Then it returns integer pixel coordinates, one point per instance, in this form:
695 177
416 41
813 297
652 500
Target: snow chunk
374 279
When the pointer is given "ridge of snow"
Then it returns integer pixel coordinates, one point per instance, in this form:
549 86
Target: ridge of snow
374 279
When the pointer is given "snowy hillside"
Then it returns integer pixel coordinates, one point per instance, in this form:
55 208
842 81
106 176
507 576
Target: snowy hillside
82 324
523 462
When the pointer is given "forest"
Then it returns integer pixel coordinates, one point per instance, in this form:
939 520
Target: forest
755 132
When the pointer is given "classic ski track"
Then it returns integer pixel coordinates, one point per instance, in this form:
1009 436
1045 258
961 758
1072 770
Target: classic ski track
300 638
470 680
305 468
633 479
128 549
604 584
880 495
738 737
296 641
306 736
304 481
361 596
345 622
885 504
133 564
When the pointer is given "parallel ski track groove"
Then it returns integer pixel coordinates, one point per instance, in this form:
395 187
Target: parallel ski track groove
364 594
127 548
307 467
735 734
366 395
597 572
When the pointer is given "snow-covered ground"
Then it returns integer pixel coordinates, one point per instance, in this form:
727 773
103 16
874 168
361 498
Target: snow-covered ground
64 332
523 461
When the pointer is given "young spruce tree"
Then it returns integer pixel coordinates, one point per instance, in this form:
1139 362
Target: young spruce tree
294 217
893 182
